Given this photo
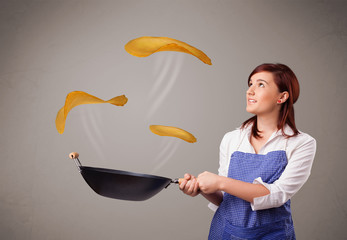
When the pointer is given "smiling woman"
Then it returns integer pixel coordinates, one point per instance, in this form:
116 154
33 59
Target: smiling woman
262 164
281 85
262 95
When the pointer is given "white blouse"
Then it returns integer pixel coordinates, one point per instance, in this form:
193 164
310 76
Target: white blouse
300 151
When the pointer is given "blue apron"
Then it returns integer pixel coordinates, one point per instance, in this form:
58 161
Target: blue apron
235 219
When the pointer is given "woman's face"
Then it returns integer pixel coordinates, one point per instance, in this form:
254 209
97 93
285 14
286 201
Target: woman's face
263 95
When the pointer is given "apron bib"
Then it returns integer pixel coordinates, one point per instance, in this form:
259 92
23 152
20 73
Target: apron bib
235 219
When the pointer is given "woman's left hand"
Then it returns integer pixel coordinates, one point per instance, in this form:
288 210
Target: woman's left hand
208 182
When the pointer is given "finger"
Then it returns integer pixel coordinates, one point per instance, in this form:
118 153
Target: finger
186 188
201 184
183 184
188 184
196 187
191 186
187 176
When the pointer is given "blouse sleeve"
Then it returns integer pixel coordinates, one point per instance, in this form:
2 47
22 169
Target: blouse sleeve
296 173
224 151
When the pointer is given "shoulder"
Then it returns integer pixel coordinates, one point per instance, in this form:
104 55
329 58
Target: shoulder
302 142
302 138
232 138
232 135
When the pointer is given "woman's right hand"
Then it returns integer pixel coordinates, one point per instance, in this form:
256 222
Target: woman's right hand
190 185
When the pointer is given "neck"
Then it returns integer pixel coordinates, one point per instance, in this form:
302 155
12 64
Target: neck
267 124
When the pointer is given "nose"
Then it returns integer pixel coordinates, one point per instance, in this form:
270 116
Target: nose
250 91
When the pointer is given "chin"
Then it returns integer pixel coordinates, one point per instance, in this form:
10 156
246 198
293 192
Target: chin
250 110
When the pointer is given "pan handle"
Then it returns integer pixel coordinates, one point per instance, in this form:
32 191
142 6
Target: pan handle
74 156
176 181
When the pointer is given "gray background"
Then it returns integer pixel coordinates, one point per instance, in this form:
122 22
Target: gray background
50 48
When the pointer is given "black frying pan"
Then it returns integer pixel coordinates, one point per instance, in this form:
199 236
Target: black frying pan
122 184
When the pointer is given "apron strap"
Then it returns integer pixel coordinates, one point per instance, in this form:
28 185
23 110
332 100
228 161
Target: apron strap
241 140
243 133
285 144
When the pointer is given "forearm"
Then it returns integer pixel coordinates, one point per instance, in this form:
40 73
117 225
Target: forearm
244 190
215 198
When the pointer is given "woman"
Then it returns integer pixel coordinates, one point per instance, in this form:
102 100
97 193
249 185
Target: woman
262 164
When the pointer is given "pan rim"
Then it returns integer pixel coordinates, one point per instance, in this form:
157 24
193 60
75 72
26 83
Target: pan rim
122 172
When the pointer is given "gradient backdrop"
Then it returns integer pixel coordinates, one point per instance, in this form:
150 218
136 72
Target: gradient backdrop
50 48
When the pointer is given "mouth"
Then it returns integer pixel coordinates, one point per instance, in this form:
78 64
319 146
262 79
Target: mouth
251 101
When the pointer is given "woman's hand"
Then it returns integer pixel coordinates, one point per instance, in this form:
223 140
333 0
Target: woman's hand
209 182
190 185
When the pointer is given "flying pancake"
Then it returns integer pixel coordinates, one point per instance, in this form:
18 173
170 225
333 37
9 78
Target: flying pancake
172 132
76 98
145 46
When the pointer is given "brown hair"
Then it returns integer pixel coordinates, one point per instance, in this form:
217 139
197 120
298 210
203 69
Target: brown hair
285 80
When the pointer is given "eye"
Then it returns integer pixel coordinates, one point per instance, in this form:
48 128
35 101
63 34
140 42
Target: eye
261 85
249 83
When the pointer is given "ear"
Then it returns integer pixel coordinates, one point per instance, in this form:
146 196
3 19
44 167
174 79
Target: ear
283 97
